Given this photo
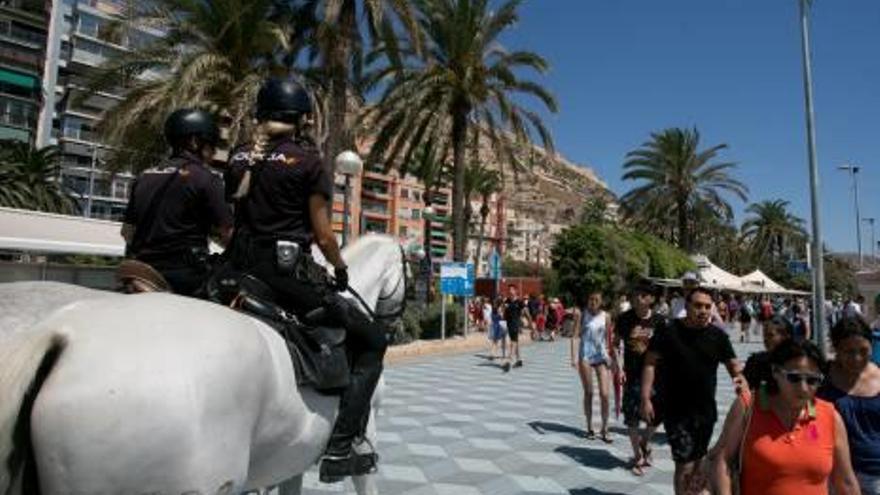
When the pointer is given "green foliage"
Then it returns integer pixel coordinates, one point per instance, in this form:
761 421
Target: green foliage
29 179
409 328
839 277
463 89
594 211
588 257
430 321
771 228
678 184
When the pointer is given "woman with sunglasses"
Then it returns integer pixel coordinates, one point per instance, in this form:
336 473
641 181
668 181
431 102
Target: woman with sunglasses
853 386
788 441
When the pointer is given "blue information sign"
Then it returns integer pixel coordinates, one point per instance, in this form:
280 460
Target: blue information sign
457 279
797 267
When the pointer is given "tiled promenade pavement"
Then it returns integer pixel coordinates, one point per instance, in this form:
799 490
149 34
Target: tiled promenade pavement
457 425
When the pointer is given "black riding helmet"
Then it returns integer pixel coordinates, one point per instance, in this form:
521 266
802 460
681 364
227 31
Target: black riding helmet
282 100
188 122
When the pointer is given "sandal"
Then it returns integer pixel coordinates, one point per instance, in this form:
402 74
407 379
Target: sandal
590 435
637 467
605 438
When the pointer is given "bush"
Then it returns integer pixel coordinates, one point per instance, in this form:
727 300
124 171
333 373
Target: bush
607 258
409 328
430 321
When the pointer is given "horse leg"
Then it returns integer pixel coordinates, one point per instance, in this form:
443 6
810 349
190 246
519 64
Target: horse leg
366 484
293 486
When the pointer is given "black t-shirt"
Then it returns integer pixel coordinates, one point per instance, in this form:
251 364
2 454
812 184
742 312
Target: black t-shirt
513 310
636 333
277 204
190 206
689 359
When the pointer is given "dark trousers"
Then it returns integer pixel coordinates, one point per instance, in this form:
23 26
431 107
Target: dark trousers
308 288
184 277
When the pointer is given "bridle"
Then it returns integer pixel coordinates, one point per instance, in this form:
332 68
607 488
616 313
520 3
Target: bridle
403 279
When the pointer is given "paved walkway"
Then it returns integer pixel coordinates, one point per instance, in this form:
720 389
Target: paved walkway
457 425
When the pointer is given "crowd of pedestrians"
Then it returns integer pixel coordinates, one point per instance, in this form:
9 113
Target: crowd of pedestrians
800 424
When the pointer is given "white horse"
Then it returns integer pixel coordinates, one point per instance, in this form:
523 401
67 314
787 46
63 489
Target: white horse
156 393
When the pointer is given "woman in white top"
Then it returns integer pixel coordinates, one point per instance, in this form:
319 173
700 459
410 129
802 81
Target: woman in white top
590 341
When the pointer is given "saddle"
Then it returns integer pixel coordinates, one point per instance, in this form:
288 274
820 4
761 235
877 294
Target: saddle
317 349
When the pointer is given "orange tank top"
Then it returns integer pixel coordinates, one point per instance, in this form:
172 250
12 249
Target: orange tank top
777 461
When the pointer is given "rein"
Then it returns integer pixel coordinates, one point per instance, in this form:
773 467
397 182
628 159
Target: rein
402 308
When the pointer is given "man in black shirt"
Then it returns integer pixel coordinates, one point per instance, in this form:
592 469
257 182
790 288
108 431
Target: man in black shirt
174 206
689 352
634 329
283 195
514 310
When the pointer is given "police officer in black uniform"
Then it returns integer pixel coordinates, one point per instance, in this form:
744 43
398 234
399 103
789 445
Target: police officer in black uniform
283 198
174 206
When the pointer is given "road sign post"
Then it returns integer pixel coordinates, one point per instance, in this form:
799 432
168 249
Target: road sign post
456 279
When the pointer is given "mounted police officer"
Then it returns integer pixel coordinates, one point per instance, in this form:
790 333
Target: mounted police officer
283 197
175 205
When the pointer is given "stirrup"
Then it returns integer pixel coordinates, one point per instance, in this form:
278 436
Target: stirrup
336 468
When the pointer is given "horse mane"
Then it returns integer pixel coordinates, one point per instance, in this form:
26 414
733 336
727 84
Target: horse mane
366 245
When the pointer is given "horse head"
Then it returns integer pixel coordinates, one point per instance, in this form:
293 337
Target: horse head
379 274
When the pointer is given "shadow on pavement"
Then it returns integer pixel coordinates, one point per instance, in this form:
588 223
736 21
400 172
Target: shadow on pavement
595 458
659 437
592 491
542 427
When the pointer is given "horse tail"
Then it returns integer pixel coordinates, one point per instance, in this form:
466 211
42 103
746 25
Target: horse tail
27 361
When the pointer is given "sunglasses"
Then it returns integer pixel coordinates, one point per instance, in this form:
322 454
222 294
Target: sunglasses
796 377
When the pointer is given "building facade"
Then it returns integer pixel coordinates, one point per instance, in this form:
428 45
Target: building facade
23 31
393 205
81 36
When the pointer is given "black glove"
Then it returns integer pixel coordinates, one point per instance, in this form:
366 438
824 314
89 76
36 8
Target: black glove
340 273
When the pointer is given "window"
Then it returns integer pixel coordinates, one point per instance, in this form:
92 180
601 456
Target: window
416 214
88 25
403 231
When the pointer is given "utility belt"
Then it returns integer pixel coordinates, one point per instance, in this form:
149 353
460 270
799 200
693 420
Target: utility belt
292 257
194 256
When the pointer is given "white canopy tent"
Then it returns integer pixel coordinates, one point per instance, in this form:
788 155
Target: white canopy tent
715 277
711 275
48 233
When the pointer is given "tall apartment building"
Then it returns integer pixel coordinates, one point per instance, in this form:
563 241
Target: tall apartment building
394 205
23 27
82 35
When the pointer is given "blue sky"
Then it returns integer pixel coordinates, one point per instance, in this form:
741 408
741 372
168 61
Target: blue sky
624 68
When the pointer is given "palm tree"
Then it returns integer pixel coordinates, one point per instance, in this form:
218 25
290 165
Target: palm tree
484 182
679 180
770 227
29 179
334 32
461 89
214 55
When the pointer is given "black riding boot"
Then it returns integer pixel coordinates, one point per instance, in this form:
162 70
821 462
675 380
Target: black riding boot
340 459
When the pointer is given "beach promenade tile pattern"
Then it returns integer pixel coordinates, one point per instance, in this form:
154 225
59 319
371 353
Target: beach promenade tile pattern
457 425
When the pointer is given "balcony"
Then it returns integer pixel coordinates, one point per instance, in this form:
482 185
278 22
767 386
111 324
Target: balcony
25 59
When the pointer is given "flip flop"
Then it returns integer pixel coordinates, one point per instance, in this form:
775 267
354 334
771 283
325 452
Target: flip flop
605 438
636 467
590 435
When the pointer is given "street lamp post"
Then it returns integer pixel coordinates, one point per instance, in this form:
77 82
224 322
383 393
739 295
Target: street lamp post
870 221
853 172
349 164
92 170
427 215
817 251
